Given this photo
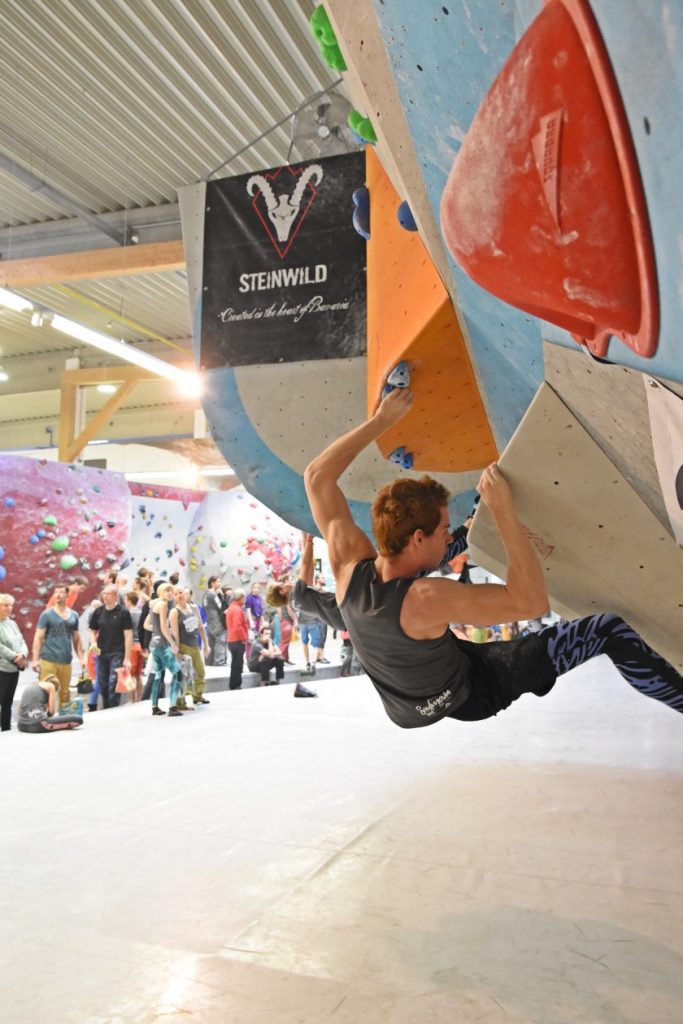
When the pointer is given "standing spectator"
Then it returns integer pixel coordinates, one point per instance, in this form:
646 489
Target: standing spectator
138 652
57 632
287 619
253 607
111 632
164 650
264 656
238 634
76 588
214 611
13 655
227 597
319 585
186 623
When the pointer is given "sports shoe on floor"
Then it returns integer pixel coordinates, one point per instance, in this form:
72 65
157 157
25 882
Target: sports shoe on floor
308 671
202 700
303 691
185 707
92 707
156 710
174 713
324 661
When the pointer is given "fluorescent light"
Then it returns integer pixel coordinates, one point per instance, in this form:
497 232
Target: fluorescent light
101 441
14 301
107 389
188 381
216 470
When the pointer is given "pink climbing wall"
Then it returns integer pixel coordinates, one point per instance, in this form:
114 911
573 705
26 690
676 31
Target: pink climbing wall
57 521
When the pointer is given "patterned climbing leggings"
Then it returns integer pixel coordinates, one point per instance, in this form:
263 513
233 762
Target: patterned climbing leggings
571 643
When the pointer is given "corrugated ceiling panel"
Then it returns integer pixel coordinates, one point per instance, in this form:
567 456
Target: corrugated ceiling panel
19 205
126 100
156 301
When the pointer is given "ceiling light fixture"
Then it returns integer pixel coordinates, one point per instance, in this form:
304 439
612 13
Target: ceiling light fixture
3 375
107 389
189 382
14 301
216 470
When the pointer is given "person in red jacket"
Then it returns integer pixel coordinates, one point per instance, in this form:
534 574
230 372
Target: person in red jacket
238 634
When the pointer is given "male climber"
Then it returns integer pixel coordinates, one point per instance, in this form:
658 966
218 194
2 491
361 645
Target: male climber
399 621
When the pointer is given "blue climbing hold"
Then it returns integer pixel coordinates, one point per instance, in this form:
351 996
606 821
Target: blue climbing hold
34 539
10 502
405 217
400 457
400 375
2 553
3 572
361 213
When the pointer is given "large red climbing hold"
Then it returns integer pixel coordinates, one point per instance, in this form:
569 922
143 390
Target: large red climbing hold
544 205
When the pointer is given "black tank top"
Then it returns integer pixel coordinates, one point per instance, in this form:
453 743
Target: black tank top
419 681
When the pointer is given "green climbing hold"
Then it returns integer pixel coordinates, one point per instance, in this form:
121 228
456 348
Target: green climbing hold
67 562
224 543
50 520
327 40
362 126
60 543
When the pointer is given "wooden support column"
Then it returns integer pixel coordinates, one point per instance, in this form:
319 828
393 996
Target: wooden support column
70 445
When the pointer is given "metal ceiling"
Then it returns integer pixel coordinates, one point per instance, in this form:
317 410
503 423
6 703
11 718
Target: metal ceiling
107 107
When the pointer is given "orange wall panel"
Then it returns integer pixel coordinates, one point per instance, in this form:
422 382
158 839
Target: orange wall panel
411 316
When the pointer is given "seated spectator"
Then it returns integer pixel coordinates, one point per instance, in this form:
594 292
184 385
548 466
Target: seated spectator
264 656
38 706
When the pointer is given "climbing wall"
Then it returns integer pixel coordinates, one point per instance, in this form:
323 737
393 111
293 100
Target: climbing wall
601 547
238 539
160 522
58 521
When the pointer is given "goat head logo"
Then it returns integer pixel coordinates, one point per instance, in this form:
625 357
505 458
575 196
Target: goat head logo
286 213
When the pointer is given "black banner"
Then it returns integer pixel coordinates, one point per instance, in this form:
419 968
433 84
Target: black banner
284 268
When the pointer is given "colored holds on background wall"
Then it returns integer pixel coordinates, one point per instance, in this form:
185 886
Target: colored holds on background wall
3 572
60 543
10 502
327 40
362 126
35 539
50 520
2 553
405 217
67 562
361 213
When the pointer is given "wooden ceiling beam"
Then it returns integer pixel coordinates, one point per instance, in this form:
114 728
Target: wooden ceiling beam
152 257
